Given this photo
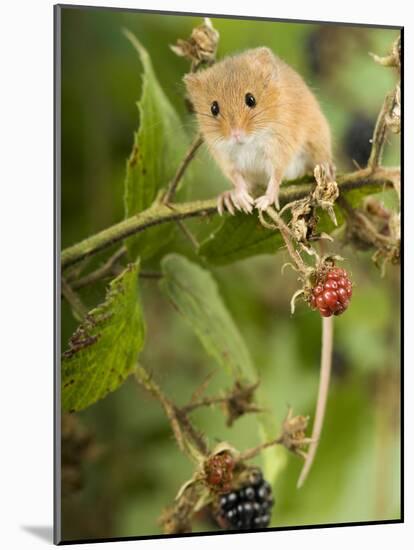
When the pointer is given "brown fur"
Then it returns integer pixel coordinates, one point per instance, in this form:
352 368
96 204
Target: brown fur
285 107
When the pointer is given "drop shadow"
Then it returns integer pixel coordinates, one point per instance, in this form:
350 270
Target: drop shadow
43 532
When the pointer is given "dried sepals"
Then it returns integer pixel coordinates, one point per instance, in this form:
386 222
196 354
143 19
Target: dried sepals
240 401
293 436
393 117
304 219
326 191
200 47
393 59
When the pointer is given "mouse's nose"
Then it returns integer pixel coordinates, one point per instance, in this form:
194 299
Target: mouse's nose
237 134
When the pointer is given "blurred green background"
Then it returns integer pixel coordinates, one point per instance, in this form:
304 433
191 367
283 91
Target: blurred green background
121 467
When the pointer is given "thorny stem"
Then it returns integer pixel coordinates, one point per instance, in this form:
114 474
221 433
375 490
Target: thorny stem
79 310
326 363
158 213
239 397
154 215
292 438
189 440
380 133
363 222
254 451
187 233
206 402
145 380
172 187
191 431
285 232
105 270
101 272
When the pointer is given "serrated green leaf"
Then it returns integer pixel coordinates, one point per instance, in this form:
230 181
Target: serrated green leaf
194 293
239 237
159 145
242 235
104 349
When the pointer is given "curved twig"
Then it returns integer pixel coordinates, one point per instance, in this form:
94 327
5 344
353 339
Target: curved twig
326 363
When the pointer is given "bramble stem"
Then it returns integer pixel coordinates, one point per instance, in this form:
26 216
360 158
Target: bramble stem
285 232
79 310
154 215
206 402
189 440
172 187
326 363
101 272
159 213
251 453
380 132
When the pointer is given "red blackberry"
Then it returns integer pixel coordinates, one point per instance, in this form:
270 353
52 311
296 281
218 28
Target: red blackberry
219 471
332 292
249 507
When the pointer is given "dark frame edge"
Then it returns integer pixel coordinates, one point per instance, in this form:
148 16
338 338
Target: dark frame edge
231 16
402 222
57 534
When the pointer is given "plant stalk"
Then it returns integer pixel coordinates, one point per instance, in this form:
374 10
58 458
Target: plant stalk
325 374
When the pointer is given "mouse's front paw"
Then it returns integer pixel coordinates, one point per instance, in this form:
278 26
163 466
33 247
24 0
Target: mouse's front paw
236 199
262 203
270 198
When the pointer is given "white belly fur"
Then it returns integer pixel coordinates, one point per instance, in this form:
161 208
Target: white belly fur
253 160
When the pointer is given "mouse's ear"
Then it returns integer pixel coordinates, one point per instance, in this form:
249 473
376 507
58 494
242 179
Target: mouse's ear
265 59
192 82
263 54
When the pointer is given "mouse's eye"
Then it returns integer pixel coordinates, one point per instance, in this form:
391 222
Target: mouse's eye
215 109
250 100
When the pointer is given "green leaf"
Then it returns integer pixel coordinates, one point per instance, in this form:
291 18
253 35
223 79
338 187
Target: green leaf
159 145
242 235
194 293
104 349
356 196
239 237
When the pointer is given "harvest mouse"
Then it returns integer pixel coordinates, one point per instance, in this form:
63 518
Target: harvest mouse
261 123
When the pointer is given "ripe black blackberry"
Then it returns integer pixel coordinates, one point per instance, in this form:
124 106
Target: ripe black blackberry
250 507
313 52
357 138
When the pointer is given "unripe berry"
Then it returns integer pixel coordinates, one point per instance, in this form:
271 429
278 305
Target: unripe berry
332 292
219 471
